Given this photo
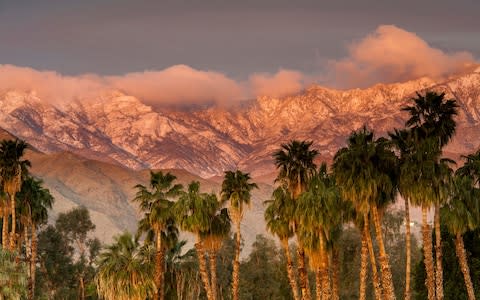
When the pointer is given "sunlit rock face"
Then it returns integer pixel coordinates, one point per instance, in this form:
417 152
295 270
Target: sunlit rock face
121 129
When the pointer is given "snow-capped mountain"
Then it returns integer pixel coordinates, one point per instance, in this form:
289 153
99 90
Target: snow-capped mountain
119 128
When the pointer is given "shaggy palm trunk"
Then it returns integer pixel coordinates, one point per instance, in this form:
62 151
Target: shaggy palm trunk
363 267
292 278
213 272
462 260
438 255
408 245
33 259
302 271
377 287
203 270
14 221
428 256
159 261
335 274
236 262
82 287
387 281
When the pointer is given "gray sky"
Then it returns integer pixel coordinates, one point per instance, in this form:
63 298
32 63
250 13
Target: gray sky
236 38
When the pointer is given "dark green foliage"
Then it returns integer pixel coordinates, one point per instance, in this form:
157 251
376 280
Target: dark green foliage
263 274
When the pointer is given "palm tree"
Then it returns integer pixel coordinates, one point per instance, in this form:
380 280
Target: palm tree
12 171
365 171
317 215
278 214
460 216
236 188
431 121
195 212
471 168
157 206
34 201
295 163
123 272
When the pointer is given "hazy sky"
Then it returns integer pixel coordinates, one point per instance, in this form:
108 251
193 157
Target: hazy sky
236 38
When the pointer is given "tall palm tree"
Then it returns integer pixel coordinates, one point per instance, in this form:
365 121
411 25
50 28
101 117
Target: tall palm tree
432 123
156 203
317 214
12 171
34 201
296 166
196 212
460 216
236 189
123 272
366 173
405 143
278 214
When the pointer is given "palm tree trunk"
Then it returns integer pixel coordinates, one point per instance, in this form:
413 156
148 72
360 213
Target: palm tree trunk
318 283
462 260
14 222
236 262
326 290
387 281
302 271
428 255
292 278
5 227
438 254
33 259
408 245
335 274
213 273
82 287
28 256
158 295
363 267
377 287
203 270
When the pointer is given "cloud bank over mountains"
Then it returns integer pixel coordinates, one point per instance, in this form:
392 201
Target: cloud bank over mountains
389 54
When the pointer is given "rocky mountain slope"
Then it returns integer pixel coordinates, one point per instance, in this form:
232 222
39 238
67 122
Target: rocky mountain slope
120 129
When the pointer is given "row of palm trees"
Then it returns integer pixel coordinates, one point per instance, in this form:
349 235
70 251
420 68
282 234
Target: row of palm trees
367 175
24 204
313 205
167 207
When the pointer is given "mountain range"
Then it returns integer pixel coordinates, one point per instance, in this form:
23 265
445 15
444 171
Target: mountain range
93 151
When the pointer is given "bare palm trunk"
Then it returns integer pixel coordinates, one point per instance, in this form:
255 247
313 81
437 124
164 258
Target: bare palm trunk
213 273
33 259
326 287
428 255
82 287
318 283
158 295
292 278
438 255
387 281
408 245
5 227
335 274
462 260
377 287
203 270
14 222
236 262
302 271
363 267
